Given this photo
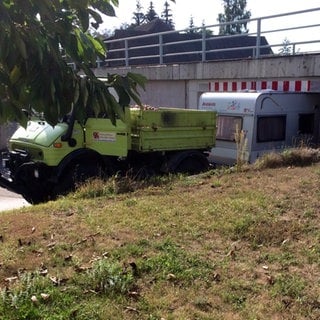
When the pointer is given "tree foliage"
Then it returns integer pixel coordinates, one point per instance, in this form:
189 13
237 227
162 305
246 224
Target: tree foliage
140 18
234 11
151 13
37 38
286 49
167 15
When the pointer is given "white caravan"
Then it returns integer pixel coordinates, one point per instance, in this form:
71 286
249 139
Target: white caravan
269 121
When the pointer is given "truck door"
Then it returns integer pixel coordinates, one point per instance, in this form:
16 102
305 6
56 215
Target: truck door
105 138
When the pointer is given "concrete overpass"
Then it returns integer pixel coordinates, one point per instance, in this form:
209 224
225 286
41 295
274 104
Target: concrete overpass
180 85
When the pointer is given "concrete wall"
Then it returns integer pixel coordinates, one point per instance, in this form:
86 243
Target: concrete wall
181 85
165 94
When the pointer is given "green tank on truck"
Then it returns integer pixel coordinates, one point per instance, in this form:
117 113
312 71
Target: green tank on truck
43 162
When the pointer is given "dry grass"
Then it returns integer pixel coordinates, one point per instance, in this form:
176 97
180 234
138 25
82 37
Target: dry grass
291 157
221 245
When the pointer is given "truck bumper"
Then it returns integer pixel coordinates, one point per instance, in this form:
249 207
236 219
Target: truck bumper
30 179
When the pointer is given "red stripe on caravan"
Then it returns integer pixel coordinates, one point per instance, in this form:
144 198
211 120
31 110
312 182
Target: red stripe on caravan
234 86
297 85
274 85
286 85
225 86
216 86
308 85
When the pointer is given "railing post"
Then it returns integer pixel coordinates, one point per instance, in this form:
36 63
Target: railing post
160 49
294 49
258 42
126 52
203 44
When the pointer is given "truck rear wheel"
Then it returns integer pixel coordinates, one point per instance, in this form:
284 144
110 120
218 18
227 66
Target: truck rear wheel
192 165
190 162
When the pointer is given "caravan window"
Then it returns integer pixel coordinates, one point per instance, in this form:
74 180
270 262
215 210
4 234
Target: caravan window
227 126
306 123
271 128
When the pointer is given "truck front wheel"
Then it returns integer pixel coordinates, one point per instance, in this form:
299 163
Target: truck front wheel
75 174
34 190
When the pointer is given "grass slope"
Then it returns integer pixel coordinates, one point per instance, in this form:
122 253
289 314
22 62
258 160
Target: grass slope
221 245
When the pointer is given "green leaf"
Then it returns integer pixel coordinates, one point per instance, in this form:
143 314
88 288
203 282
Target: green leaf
116 107
22 48
96 16
105 7
53 91
84 91
138 78
15 74
98 45
84 19
76 93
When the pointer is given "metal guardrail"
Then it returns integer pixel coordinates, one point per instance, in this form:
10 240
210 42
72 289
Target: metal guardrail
280 34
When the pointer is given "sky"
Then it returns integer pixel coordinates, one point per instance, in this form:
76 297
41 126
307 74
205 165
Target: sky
207 11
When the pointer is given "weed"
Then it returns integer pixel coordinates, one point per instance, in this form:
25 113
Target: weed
237 294
106 277
289 285
33 295
242 148
175 264
290 157
118 184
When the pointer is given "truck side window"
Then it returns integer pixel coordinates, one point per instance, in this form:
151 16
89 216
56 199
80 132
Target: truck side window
271 128
226 127
306 123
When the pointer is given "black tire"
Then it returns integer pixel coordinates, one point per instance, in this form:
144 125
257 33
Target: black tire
33 190
76 174
38 194
35 198
193 164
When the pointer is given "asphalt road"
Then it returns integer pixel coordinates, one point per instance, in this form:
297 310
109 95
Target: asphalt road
10 200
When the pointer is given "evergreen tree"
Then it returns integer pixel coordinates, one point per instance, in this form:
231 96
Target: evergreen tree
193 30
138 16
286 49
191 26
151 13
234 10
167 15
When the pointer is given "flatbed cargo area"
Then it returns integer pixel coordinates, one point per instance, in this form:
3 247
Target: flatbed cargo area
158 129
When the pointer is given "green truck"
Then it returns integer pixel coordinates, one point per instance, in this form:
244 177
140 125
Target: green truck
43 162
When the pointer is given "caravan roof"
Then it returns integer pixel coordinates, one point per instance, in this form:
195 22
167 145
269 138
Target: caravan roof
235 102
